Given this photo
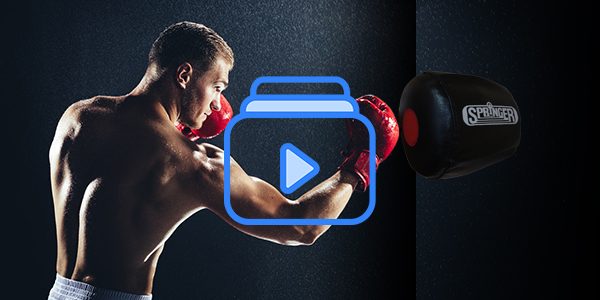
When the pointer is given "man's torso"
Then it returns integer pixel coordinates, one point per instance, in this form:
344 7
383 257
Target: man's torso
116 167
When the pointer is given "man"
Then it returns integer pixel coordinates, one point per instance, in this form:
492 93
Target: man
123 177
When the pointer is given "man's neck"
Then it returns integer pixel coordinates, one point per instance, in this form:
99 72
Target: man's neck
157 91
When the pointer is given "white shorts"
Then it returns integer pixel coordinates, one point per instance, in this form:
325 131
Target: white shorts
67 289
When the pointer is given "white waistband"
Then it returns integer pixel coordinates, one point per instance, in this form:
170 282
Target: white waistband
68 289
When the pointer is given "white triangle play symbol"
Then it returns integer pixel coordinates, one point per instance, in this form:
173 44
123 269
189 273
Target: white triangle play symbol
297 167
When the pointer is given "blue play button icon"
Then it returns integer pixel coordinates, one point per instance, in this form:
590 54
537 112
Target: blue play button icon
295 168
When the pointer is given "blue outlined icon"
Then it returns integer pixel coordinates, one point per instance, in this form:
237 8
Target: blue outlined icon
296 168
298 106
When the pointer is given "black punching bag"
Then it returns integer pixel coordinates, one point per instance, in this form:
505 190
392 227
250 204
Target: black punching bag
454 124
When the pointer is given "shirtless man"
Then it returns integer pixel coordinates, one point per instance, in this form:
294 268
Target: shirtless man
123 177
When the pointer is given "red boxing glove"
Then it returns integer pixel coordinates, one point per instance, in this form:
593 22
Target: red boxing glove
387 132
212 126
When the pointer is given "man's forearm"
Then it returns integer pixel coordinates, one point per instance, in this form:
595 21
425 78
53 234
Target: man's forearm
328 199
252 197
325 201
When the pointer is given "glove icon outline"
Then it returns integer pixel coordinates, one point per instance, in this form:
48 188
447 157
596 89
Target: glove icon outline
302 106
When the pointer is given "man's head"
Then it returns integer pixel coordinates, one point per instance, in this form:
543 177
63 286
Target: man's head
198 61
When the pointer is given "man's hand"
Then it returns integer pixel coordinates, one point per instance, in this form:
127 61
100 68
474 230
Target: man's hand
386 131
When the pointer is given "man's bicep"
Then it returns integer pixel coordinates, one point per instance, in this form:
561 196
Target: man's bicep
252 197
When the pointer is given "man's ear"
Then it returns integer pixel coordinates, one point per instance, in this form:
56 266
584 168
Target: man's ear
183 74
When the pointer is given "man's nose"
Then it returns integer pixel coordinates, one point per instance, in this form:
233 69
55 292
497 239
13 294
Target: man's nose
216 104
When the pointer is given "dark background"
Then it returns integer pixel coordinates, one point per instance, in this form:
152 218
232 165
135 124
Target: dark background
63 52
522 229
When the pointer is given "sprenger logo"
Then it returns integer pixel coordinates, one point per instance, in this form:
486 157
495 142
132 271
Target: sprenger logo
481 115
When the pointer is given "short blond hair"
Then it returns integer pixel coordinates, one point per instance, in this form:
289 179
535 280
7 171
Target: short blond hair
189 42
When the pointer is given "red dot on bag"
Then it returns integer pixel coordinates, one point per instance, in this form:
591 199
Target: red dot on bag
410 127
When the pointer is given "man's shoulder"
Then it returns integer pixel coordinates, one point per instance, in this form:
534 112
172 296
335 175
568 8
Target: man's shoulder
99 123
90 106
123 145
85 112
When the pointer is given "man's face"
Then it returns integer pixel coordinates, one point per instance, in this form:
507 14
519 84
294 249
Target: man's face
204 93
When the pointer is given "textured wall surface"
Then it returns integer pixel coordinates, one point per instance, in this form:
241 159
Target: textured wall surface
509 231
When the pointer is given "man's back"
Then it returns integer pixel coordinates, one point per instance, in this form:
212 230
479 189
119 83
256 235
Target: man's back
113 165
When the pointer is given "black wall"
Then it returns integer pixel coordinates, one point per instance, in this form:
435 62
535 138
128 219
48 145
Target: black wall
519 229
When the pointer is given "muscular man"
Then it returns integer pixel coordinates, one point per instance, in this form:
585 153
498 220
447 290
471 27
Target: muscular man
123 177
